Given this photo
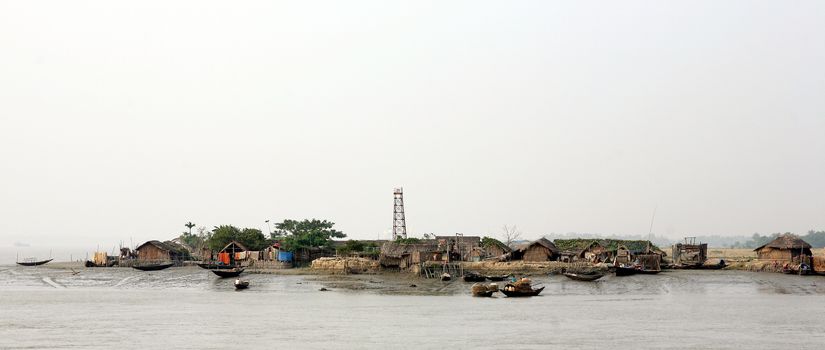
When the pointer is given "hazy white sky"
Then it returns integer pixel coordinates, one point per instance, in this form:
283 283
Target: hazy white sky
124 120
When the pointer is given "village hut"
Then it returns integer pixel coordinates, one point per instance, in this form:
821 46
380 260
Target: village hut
161 251
786 247
460 247
233 253
494 248
405 255
539 250
689 253
588 250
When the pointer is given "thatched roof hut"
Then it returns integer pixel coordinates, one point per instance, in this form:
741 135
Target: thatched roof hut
539 250
404 255
786 247
161 251
493 247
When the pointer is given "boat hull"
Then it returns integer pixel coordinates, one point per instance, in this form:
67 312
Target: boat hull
583 277
34 263
518 293
213 266
155 267
228 273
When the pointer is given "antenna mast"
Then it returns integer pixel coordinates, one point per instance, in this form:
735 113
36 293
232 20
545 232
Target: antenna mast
399 224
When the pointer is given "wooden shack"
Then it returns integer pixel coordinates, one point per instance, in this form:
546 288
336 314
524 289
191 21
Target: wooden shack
232 253
689 253
786 247
460 247
588 250
161 251
539 250
404 255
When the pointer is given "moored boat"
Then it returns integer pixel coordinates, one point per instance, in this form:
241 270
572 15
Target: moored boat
473 277
511 291
213 266
153 267
587 277
32 262
228 272
521 288
496 278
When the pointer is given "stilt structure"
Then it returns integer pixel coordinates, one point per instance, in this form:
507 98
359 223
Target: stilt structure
399 224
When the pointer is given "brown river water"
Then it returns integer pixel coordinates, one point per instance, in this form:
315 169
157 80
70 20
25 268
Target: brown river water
185 308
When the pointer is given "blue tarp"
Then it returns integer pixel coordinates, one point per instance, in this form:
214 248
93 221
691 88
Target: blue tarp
284 256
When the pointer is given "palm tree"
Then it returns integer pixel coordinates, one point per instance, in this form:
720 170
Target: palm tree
190 225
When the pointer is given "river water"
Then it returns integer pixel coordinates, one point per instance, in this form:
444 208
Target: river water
45 307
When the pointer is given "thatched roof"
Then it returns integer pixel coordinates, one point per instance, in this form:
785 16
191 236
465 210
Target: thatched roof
488 242
544 242
786 241
167 246
580 244
234 246
397 250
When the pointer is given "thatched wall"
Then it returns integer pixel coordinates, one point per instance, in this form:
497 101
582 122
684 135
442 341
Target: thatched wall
537 252
152 252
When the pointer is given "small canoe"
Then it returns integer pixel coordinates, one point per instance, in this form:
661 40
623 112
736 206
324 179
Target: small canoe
241 284
496 278
33 263
228 273
586 277
153 267
511 291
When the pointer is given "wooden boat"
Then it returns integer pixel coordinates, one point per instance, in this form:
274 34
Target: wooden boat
446 277
228 272
587 277
32 262
153 267
625 271
241 284
213 266
512 291
496 278
473 277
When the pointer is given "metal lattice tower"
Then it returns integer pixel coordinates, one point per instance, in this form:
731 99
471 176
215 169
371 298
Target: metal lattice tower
399 224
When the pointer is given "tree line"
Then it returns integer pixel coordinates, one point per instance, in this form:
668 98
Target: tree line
292 235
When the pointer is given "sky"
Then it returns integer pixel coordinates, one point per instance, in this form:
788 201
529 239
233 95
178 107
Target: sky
121 121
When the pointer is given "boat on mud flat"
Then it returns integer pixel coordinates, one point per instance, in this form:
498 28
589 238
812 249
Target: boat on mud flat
482 290
153 267
473 277
586 276
521 288
32 262
235 272
628 271
497 278
241 284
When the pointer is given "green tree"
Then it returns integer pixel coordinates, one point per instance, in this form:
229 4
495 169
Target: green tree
252 238
304 234
189 225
